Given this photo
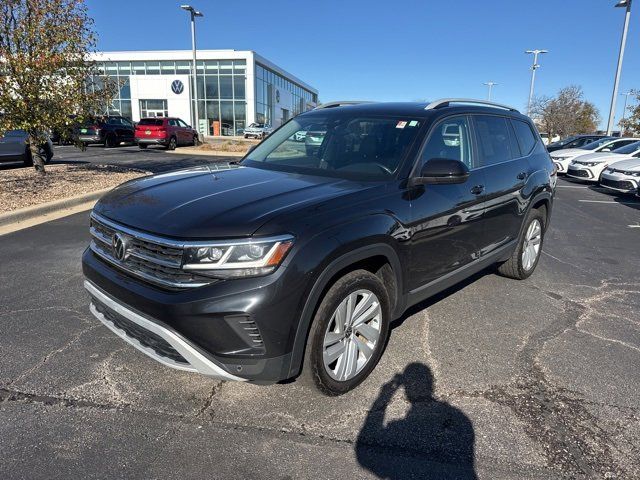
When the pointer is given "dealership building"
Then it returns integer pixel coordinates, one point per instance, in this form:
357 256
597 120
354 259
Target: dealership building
234 88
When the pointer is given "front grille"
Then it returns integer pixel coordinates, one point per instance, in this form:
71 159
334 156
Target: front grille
145 337
578 173
619 184
153 261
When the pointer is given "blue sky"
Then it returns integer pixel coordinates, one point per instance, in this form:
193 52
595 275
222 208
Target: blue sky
400 50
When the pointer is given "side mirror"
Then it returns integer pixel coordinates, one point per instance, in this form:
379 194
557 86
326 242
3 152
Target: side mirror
440 171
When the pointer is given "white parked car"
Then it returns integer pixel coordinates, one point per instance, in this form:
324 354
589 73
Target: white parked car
14 146
590 167
562 158
258 130
623 176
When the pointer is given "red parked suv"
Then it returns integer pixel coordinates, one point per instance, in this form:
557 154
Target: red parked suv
167 131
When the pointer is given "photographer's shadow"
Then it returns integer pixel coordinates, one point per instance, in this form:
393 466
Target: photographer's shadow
434 440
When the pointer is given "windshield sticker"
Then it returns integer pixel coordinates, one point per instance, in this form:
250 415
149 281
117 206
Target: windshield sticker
401 124
413 123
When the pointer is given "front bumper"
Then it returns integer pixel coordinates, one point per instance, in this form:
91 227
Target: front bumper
246 327
152 338
620 182
582 173
561 164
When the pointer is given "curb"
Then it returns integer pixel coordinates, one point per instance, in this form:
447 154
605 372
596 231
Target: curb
211 153
29 213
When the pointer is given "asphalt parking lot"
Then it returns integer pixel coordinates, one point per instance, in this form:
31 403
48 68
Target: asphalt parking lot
494 378
153 159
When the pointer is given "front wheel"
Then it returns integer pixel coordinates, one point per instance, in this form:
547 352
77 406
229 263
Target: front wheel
525 258
348 333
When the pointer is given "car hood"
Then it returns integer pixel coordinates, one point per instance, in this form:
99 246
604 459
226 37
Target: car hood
569 152
216 202
629 165
601 157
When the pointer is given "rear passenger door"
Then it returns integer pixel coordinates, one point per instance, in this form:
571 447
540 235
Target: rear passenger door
506 172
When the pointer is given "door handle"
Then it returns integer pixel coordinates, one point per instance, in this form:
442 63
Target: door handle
477 190
522 175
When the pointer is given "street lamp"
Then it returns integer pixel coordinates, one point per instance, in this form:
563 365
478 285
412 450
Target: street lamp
194 13
490 85
534 67
623 42
626 99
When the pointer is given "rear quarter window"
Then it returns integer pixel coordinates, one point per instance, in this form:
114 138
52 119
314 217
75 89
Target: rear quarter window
524 135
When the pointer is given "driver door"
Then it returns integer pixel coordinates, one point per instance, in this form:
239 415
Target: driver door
447 227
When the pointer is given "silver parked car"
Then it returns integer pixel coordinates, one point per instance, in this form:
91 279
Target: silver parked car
258 130
14 147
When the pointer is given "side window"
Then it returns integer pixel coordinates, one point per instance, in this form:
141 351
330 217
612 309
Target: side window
524 135
494 141
173 123
449 139
182 123
126 122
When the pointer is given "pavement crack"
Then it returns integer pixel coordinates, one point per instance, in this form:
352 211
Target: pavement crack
215 389
8 395
53 353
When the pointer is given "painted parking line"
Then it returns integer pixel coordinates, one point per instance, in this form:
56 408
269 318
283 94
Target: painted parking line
610 201
633 226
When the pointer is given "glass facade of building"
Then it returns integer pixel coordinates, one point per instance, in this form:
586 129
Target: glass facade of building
222 91
266 79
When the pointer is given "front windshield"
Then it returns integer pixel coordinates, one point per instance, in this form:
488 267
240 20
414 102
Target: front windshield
628 149
338 143
596 144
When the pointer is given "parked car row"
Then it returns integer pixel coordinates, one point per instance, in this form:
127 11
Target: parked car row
612 162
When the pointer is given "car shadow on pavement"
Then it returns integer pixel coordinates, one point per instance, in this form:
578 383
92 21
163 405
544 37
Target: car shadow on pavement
434 440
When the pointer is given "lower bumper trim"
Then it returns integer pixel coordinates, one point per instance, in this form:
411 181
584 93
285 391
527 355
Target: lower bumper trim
196 361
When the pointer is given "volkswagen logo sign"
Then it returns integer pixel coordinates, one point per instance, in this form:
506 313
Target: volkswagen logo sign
120 247
177 87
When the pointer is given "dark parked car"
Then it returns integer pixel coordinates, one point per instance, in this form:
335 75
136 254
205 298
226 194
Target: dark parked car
110 131
295 262
574 141
169 132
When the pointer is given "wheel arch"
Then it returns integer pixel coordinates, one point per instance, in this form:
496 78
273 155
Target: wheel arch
379 258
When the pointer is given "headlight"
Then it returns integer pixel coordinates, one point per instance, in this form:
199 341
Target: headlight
633 174
243 258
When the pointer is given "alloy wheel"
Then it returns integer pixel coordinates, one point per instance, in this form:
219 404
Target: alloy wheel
531 246
352 335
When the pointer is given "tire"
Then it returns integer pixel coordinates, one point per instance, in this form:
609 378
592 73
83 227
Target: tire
172 144
520 266
48 155
246 136
196 141
142 146
110 141
320 368
28 159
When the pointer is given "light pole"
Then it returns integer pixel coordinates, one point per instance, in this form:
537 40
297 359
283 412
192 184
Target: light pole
534 67
623 42
490 85
194 13
624 111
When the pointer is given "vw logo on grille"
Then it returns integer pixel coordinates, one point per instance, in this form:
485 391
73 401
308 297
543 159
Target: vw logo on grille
177 87
120 247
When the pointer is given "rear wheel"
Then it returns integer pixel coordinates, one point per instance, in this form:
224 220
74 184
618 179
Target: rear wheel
110 141
142 146
172 144
348 333
525 258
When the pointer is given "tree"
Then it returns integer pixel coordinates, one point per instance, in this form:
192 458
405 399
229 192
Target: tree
46 77
631 124
566 114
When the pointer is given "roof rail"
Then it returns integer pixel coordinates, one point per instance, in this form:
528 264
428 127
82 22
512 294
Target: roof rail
444 102
342 103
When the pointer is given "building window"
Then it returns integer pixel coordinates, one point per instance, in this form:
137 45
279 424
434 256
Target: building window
153 108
